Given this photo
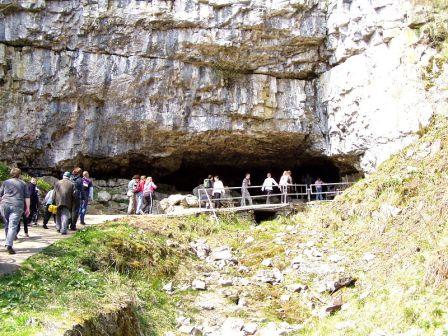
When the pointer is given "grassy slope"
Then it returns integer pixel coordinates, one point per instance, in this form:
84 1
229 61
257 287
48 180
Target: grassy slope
407 284
99 269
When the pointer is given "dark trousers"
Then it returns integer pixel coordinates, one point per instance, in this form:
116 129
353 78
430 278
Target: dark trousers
268 196
47 215
23 220
75 213
148 204
217 198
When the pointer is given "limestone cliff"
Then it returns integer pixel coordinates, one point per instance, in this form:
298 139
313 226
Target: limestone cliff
169 82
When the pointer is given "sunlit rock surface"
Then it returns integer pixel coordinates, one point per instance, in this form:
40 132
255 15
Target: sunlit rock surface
109 83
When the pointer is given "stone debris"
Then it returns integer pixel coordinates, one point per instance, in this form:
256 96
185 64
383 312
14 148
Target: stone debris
267 263
201 249
225 282
222 253
296 287
206 304
344 282
199 284
335 258
168 287
249 240
368 256
232 327
273 276
250 328
285 298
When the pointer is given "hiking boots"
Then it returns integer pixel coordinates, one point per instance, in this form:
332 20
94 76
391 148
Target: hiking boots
45 227
10 250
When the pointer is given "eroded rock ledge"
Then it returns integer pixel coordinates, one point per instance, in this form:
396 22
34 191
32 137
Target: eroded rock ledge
172 82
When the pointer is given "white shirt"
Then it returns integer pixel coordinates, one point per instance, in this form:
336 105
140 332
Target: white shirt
218 187
268 184
284 180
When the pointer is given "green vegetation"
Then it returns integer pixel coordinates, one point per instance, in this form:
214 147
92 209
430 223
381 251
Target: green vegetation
98 270
4 175
406 286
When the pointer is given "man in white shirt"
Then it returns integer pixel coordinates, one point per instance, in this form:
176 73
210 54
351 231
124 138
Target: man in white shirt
268 187
218 191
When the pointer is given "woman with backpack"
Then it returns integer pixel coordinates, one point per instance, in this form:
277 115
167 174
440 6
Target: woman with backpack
148 191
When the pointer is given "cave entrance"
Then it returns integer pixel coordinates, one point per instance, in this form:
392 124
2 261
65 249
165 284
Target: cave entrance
192 174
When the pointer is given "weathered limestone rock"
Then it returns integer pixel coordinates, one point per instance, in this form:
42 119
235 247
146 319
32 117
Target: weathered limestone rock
114 85
104 197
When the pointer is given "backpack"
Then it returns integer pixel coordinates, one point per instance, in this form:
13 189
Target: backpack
208 183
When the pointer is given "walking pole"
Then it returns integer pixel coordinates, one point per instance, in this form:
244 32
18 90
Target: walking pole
213 208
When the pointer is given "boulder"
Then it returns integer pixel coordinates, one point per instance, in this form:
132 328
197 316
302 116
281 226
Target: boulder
175 199
191 201
222 253
120 198
49 179
103 197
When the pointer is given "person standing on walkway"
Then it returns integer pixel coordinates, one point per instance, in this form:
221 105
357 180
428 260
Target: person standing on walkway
218 191
284 186
34 201
86 196
318 184
245 194
132 194
76 179
64 197
148 191
14 197
48 200
140 198
268 187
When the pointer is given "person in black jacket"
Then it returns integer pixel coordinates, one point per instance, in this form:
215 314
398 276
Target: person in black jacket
76 179
34 206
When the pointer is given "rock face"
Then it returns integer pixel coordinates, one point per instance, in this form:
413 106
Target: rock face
114 84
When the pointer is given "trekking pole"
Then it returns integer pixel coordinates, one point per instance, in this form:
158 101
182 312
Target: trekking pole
211 207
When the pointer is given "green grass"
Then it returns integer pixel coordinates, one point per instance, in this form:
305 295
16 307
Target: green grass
100 268
95 270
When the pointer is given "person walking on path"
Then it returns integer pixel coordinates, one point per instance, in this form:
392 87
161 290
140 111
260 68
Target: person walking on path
284 186
218 191
14 197
245 194
318 184
268 187
48 200
148 191
86 196
64 197
34 207
140 198
132 194
76 179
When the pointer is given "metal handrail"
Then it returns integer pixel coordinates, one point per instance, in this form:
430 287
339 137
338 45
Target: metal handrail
344 184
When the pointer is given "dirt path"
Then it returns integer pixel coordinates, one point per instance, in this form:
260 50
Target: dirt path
38 240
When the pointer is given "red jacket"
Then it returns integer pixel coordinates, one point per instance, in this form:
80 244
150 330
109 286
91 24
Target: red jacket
141 186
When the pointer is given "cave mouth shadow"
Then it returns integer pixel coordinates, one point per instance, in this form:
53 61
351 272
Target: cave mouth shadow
190 175
191 170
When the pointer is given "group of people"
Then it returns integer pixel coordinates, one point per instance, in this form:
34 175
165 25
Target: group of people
66 202
216 190
141 195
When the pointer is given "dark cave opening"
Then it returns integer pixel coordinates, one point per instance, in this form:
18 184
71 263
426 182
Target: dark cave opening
192 171
190 175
